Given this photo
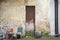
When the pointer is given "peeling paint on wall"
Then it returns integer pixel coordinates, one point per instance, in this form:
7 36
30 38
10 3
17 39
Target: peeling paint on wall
13 13
42 21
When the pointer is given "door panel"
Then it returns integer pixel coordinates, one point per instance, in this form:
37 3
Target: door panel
30 19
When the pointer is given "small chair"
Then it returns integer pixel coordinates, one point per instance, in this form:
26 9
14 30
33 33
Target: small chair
19 32
9 33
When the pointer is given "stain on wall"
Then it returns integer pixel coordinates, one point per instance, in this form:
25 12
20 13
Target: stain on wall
42 21
12 12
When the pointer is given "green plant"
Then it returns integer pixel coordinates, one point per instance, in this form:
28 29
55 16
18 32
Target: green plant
30 35
45 34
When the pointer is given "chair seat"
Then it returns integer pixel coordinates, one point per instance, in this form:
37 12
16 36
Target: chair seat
18 33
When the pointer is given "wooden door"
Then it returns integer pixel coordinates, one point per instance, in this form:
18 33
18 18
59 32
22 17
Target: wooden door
30 19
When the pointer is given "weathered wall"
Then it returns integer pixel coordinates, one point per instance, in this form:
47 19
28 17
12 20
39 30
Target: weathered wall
13 13
42 22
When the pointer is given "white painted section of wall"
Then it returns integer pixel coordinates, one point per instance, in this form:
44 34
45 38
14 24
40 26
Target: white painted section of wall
51 15
59 16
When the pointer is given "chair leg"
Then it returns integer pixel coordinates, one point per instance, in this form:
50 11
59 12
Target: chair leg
6 36
21 36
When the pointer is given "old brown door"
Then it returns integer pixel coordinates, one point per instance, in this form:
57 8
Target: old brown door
30 19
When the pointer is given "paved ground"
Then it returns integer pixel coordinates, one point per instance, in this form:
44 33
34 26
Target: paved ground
44 38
